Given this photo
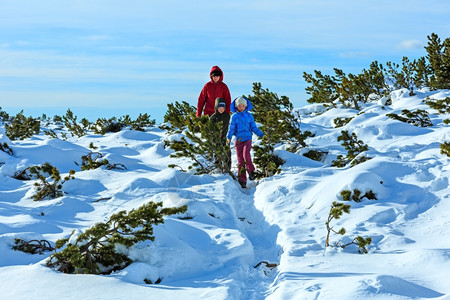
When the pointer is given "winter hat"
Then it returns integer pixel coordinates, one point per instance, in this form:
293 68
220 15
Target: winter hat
240 100
216 73
220 102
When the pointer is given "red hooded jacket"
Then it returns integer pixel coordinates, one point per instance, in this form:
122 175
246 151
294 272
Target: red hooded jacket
209 93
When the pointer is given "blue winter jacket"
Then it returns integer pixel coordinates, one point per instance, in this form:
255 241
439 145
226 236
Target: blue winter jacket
242 124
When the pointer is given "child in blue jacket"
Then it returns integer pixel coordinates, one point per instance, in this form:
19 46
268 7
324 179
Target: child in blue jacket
242 126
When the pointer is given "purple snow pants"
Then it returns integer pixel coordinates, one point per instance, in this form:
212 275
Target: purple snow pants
244 159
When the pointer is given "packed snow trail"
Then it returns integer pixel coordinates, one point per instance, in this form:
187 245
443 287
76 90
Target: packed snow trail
262 236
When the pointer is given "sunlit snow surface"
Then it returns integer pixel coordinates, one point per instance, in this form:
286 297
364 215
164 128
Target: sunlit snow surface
212 254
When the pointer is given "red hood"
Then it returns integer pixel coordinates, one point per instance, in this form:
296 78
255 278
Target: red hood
216 68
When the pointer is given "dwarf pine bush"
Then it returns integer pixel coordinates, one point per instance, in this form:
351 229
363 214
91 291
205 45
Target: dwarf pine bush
142 122
417 118
323 88
439 59
341 121
94 160
277 118
178 116
336 211
279 124
4 116
445 148
95 250
411 74
49 188
357 196
354 148
203 145
20 127
441 105
70 121
431 71
103 125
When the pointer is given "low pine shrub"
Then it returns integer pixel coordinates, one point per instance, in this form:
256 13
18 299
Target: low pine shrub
354 148
95 250
336 211
445 148
49 188
21 127
417 118
357 195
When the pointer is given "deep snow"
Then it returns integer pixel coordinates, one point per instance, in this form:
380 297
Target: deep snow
281 220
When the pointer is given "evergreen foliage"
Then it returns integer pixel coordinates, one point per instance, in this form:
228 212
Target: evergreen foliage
336 211
177 117
142 121
95 250
4 116
323 88
20 127
411 75
432 71
70 121
357 196
49 188
439 58
441 105
203 145
354 148
94 160
417 118
445 148
103 125
279 124
341 121
355 89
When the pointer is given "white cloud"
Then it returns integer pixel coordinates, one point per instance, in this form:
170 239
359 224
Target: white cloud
410 44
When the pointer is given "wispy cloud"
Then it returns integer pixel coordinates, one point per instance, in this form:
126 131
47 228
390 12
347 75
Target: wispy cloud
410 44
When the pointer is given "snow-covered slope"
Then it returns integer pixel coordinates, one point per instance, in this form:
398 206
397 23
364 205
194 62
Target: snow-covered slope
213 253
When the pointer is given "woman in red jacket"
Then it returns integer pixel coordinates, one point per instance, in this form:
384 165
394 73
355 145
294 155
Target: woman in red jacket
211 90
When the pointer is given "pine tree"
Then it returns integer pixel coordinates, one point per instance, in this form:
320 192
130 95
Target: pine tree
20 127
354 148
279 124
94 251
336 211
49 188
418 118
323 88
177 116
203 145
439 58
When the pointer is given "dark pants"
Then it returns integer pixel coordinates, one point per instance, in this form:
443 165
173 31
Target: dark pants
244 159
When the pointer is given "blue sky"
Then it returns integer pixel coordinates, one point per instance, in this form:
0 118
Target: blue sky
104 58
